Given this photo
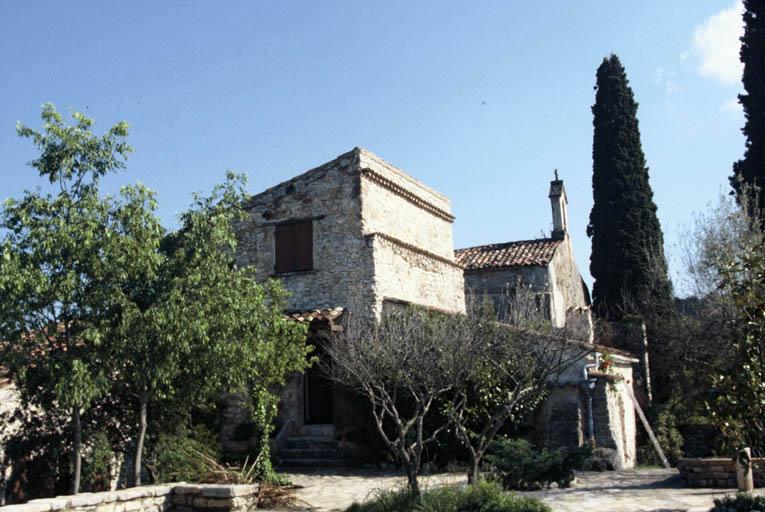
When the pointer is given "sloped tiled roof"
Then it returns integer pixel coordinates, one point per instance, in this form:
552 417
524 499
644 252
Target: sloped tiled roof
310 316
510 254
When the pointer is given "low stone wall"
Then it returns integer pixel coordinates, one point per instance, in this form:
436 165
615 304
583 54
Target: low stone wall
717 472
157 498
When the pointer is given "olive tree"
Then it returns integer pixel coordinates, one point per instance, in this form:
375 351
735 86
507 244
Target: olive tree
480 370
507 374
401 365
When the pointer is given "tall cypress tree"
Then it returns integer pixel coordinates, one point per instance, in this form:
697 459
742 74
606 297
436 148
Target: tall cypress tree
627 259
750 171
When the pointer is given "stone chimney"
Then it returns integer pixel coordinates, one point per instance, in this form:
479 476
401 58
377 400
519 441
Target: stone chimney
558 200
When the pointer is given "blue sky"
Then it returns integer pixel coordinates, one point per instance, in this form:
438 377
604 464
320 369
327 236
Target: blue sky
479 100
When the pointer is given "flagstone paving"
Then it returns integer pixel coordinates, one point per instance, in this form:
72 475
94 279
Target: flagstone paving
654 490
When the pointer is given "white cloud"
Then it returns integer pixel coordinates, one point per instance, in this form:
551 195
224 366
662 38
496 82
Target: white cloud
716 45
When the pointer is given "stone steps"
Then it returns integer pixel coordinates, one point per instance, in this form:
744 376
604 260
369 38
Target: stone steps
310 453
309 442
312 463
327 431
311 446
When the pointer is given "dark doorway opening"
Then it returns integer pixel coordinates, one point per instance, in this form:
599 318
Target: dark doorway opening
318 388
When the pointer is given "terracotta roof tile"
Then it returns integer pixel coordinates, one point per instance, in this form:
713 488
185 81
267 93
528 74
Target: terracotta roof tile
510 254
315 314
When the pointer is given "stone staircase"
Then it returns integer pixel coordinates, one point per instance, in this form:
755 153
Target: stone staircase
311 446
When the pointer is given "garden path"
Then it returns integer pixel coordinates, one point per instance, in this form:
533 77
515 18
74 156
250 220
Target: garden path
654 490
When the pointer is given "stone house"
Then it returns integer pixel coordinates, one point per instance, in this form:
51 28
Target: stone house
357 235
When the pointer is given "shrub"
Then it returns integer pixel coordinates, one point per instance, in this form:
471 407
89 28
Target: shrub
669 437
246 431
173 456
743 502
518 465
97 467
482 497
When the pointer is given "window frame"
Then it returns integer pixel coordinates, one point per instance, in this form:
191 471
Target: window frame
293 246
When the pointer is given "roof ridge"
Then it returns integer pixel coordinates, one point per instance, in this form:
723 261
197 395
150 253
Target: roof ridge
519 253
499 244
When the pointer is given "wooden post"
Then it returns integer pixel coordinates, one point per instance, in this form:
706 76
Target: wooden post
655 442
744 474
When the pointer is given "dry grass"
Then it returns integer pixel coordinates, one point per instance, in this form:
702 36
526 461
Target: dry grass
269 495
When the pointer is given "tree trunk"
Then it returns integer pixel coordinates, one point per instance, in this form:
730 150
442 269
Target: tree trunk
472 475
77 450
414 485
143 401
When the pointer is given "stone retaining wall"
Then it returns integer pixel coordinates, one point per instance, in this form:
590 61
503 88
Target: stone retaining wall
717 472
157 498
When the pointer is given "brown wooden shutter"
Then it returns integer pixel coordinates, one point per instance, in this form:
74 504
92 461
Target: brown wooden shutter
303 246
285 249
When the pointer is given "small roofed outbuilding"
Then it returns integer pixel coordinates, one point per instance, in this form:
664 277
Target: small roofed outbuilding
540 273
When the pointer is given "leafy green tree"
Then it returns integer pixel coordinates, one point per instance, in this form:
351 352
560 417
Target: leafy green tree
194 325
51 309
751 169
627 259
705 340
94 296
739 407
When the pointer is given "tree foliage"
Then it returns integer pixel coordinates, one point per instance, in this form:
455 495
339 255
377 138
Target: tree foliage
52 297
750 170
192 325
627 259
739 404
96 297
706 344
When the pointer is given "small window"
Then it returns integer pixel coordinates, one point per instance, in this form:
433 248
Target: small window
294 247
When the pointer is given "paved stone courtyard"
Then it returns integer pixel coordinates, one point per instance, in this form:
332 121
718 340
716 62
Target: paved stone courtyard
628 490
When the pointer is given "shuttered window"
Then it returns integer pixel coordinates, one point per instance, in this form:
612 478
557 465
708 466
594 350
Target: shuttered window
294 247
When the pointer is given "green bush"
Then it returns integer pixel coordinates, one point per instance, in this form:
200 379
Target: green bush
483 497
246 431
97 464
518 465
174 456
743 502
669 437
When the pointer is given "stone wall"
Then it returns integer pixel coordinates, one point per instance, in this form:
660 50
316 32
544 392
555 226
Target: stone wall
9 402
404 273
614 414
410 228
352 202
329 195
568 291
561 421
557 287
717 472
401 207
499 284
157 498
